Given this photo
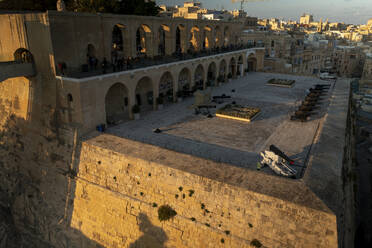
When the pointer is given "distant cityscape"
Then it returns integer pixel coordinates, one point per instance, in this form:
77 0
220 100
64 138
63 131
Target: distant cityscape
307 46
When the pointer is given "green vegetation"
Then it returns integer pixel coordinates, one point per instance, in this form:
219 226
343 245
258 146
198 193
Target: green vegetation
154 205
193 219
191 192
250 225
165 212
127 7
222 241
180 188
256 243
227 232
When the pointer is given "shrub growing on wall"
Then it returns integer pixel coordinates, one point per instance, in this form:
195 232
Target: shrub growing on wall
165 212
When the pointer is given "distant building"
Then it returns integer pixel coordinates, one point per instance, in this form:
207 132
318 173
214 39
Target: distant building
218 16
306 19
190 10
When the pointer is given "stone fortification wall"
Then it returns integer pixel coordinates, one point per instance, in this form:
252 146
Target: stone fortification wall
333 183
118 194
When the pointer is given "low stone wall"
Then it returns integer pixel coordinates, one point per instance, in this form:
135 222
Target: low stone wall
118 192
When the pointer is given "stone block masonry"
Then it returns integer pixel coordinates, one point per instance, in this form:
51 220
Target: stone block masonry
118 193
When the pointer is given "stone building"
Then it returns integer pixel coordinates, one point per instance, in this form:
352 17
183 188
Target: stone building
306 19
348 61
367 70
67 185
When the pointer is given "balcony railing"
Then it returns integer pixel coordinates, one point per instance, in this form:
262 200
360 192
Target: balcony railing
141 62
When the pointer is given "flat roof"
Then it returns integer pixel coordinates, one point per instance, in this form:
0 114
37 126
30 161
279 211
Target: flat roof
230 141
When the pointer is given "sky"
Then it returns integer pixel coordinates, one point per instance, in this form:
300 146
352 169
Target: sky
347 11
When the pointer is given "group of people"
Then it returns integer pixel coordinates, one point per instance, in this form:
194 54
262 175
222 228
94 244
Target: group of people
117 60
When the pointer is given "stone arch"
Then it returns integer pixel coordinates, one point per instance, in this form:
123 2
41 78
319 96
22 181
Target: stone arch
91 50
161 41
184 79
70 106
180 39
207 37
222 74
23 55
194 39
251 63
144 94
166 89
117 104
199 77
91 57
118 37
240 66
232 67
164 40
226 36
211 75
117 47
143 40
117 43
218 41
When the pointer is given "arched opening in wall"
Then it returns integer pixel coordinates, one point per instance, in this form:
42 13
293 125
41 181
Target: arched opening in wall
161 40
184 80
211 75
222 73
117 47
207 34
179 34
199 78
226 35
236 40
145 94
218 37
69 107
166 87
251 63
22 55
116 104
91 57
143 36
240 68
232 68
194 39
69 98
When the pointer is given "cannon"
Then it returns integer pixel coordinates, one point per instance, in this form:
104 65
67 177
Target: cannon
277 164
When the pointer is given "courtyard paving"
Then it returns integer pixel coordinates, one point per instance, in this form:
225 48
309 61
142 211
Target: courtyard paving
230 141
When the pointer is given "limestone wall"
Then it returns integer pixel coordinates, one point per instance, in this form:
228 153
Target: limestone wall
118 193
71 33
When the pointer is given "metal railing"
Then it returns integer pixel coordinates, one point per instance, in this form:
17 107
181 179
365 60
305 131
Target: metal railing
143 61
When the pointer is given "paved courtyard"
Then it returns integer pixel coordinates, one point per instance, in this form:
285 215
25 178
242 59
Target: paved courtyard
231 141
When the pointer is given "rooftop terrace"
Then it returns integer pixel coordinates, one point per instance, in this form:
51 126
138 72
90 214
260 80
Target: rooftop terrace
230 141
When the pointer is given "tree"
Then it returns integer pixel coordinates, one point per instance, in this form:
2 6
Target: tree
126 7
33 5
